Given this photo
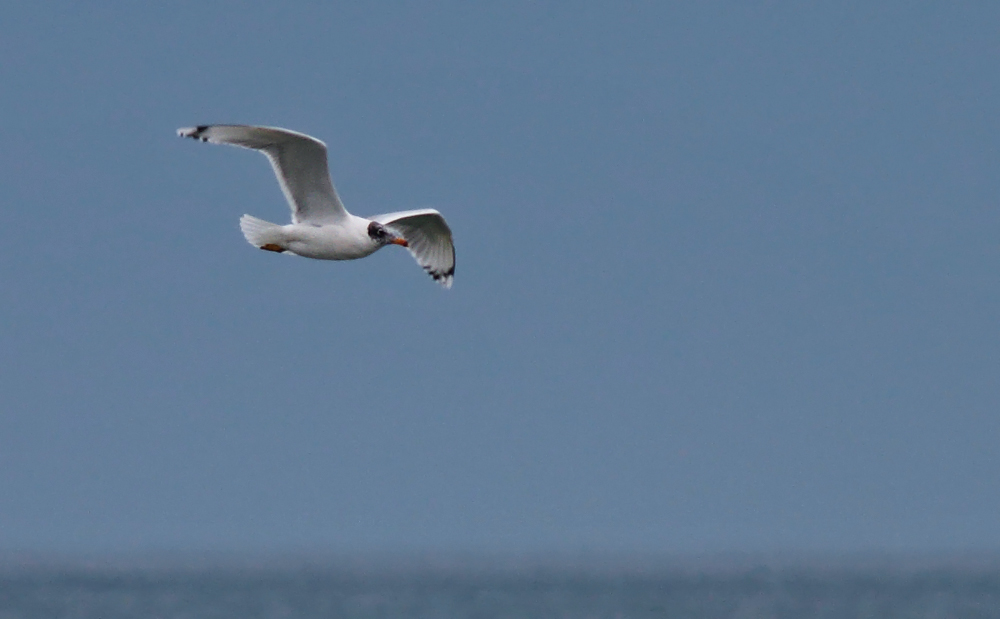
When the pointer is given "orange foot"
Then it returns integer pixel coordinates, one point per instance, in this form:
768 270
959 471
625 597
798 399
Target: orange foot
273 247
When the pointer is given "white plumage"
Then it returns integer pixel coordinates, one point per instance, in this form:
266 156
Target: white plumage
321 227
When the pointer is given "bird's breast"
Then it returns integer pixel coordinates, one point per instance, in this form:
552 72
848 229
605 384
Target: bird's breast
328 242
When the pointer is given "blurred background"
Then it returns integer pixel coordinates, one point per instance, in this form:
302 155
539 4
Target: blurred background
726 280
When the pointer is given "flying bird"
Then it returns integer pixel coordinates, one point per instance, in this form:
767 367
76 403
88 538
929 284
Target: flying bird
321 227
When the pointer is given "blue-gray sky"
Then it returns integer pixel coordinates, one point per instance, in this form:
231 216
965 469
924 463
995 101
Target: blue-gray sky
727 279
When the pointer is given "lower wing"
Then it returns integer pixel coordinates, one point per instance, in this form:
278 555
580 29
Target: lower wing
429 239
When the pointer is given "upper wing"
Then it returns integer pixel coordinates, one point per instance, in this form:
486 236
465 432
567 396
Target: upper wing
429 238
299 162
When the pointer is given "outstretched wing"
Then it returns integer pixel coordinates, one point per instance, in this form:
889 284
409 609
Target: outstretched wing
299 162
429 240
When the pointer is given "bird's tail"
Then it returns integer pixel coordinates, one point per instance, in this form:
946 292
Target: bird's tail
262 234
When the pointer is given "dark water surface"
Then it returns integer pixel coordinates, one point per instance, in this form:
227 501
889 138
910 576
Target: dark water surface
942 589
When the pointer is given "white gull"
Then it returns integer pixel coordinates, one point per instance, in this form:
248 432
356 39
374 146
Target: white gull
321 227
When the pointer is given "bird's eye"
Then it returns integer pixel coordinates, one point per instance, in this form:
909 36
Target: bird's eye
376 231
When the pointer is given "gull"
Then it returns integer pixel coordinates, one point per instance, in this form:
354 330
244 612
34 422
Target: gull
321 227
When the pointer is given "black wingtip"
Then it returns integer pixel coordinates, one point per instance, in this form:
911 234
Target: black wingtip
195 133
442 277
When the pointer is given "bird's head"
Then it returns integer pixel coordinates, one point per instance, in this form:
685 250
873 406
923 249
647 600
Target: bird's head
381 236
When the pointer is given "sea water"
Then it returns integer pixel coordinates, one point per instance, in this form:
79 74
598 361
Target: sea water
478 590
